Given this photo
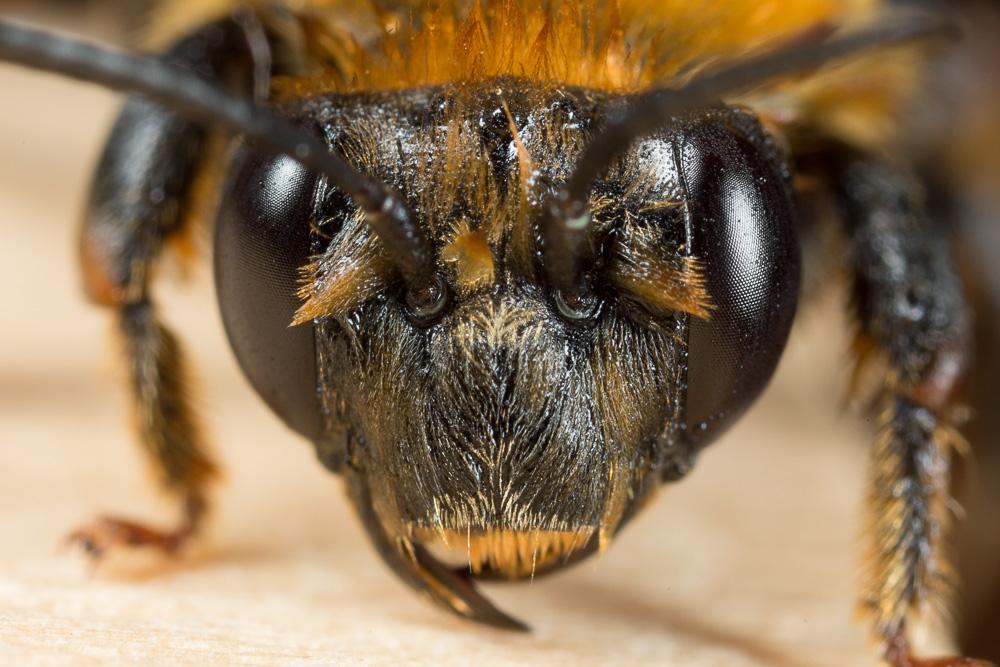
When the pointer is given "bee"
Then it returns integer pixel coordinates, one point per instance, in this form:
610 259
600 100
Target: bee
512 266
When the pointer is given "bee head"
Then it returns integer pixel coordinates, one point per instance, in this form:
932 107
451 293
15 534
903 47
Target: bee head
483 404
548 313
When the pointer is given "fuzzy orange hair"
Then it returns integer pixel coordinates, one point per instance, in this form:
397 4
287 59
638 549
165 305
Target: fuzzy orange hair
618 45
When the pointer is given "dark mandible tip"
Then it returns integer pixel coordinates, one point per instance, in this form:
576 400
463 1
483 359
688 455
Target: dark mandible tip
207 102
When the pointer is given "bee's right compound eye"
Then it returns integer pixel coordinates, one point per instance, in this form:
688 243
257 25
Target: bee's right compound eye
262 240
743 230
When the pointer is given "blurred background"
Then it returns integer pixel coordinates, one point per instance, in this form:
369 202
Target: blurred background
963 151
751 561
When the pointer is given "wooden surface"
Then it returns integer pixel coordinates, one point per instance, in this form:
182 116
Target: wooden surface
750 561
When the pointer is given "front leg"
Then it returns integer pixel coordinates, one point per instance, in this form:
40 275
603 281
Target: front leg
146 192
914 322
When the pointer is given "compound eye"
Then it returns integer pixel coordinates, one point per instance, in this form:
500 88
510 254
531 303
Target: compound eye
262 239
743 231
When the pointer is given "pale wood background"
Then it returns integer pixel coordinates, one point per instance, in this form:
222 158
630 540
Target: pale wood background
750 561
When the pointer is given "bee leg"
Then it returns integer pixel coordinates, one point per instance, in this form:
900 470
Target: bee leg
453 590
912 315
145 194
169 435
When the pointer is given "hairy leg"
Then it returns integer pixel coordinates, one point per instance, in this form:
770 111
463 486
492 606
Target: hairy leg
149 186
914 325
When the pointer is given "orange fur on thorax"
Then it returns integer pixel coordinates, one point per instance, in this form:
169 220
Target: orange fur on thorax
616 45
623 45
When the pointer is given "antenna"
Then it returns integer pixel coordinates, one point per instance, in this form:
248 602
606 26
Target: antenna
204 101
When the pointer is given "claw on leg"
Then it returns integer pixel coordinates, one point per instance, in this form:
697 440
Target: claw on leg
898 654
108 533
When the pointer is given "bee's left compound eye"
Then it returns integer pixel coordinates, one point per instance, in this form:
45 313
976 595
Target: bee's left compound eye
743 228
262 238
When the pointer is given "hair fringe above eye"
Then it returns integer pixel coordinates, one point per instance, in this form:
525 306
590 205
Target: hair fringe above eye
662 284
350 272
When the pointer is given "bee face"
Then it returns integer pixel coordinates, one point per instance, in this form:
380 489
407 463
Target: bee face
497 408
501 411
